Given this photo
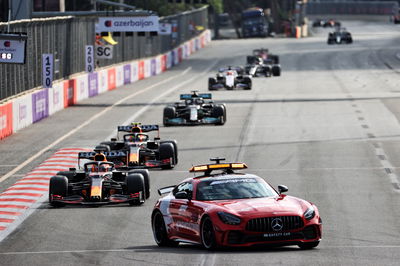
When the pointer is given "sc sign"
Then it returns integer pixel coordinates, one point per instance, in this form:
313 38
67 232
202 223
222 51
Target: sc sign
12 48
104 51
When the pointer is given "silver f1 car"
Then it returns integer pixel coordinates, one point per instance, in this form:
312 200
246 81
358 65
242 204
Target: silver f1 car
340 36
98 183
193 109
230 78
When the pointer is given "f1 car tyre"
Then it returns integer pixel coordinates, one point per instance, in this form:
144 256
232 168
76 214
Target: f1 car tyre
58 186
308 245
135 184
275 58
251 59
276 71
350 40
160 231
267 70
207 234
169 113
219 111
175 144
211 83
146 178
167 151
247 81
331 41
68 174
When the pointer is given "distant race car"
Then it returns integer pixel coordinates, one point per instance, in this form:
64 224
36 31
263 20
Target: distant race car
265 55
232 209
262 63
331 23
98 183
340 36
230 78
194 109
136 150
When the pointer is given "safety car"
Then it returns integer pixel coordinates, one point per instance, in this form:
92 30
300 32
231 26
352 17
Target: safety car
224 208
194 109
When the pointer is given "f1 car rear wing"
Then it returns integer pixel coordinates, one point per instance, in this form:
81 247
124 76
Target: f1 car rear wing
109 155
237 69
206 96
144 128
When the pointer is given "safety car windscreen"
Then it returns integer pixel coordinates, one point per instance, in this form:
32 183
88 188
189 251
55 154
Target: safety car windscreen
235 188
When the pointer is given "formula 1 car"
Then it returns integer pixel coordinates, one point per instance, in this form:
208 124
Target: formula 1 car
331 23
232 209
98 183
230 78
193 109
340 36
261 63
136 150
264 54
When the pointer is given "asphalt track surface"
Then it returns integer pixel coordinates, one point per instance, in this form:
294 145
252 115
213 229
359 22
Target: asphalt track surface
327 128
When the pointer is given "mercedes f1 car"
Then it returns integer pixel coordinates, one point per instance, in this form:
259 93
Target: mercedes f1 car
194 109
98 183
262 63
340 36
232 209
230 78
136 150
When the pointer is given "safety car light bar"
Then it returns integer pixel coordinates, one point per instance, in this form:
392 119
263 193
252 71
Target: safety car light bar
218 166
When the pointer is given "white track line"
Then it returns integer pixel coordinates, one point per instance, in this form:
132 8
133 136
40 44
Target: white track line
87 122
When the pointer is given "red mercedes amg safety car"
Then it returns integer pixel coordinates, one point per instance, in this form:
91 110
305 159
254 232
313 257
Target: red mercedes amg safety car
233 209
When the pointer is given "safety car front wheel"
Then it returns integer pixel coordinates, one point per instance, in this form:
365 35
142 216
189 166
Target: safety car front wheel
207 234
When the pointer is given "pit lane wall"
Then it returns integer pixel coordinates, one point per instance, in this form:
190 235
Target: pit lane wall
36 105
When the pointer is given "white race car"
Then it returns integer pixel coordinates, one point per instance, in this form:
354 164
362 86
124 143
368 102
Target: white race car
230 78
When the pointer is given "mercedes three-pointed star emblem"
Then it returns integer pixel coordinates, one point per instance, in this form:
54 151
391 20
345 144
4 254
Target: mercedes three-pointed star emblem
277 224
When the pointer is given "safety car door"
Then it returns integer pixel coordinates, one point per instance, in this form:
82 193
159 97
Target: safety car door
179 209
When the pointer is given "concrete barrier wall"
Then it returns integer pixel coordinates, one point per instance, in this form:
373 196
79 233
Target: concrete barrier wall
32 107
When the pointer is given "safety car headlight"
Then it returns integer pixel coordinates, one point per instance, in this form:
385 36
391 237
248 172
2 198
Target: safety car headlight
229 218
309 213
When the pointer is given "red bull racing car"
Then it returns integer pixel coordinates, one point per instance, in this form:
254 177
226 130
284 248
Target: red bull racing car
98 183
220 208
137 150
